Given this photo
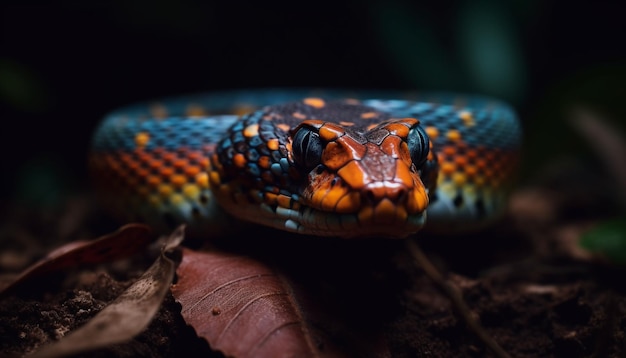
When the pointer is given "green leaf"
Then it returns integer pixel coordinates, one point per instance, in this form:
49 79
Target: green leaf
608 239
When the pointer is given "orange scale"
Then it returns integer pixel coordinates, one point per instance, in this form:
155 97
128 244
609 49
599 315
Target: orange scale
481 163
178 180
470 170
239 160
166 171
460 161
318 196
142 153
125 157
366 214
447 168
191 171
153 181
332 197
418 201
398 129
392 146
449 150
264 162
154 164
403 150
335 156
205 162
348 203
270 198
432 132
273 144
369 115
283 200
454 135
195 155
202 179
471 153
403 175
330 132
314 102
180 163
353 175
142 173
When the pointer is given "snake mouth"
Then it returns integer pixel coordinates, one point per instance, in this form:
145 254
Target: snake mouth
358 225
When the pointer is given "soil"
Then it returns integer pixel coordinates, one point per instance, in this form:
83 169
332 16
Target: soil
533 289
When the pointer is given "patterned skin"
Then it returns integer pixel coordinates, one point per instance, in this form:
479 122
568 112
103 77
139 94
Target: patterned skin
324 165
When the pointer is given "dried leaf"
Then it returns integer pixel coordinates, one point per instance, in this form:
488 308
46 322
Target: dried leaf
125 242
128 315
243 308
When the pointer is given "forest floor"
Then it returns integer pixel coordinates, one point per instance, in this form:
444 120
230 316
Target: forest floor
531 286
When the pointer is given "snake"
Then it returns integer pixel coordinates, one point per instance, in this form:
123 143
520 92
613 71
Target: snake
338 163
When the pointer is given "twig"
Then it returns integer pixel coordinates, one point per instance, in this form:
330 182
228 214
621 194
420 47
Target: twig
455 296
606 141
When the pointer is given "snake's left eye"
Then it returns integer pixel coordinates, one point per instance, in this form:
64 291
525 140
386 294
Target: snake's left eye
307 148
418 144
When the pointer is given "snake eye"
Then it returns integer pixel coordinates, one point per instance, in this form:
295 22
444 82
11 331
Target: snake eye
307 148
418 144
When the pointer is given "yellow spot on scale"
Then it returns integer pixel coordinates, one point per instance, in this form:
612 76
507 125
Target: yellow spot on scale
453 135
191 191
176 199
284 127
459 178
432 132
314 102
272 144
202 179
368 115
178 180
251 130
142 139
165 190
467 118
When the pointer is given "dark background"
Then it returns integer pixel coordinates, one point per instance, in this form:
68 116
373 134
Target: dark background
64 65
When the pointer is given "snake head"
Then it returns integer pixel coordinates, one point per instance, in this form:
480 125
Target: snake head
327 169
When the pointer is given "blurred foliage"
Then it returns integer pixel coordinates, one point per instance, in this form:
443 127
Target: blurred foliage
607 239
43 182
22 88
475 48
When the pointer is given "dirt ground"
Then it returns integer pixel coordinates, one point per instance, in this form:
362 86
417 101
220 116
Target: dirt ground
534 291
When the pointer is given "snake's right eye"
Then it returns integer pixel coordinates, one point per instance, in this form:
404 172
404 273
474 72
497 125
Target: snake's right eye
307 148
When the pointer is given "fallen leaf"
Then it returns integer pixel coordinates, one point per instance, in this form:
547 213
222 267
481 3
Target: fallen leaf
125 242
243 308
126 316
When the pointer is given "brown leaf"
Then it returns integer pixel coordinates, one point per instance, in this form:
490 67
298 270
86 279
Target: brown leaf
243 308
125 242
128 315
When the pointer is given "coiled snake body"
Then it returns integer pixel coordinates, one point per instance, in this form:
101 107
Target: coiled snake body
327 164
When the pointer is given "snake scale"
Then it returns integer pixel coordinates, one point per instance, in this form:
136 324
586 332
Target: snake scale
324 163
